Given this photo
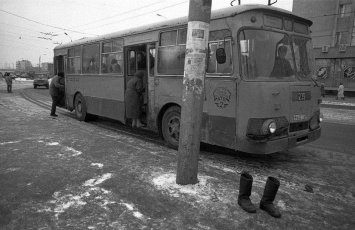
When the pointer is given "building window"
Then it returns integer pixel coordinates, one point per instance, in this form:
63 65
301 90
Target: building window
341 38
345 10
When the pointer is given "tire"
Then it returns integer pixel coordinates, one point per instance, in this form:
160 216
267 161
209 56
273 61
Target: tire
171 126
35 87
80 108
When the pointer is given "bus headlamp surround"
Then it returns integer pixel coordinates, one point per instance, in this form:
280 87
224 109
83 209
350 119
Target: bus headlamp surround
315 120
268 127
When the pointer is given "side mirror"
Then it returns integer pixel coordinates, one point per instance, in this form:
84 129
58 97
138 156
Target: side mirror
221 55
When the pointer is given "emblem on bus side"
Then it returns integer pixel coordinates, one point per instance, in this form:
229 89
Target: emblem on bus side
221 96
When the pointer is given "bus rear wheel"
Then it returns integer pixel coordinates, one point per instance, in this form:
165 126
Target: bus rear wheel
80 108
171 126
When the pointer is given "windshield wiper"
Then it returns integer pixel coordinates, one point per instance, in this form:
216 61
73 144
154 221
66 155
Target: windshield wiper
314 82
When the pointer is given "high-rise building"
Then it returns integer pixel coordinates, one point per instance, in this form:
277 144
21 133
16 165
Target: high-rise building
23 65
333 34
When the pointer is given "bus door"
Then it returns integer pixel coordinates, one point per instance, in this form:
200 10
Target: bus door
137 61
150 95
60 66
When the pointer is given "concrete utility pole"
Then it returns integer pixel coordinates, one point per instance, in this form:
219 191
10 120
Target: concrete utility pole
193 92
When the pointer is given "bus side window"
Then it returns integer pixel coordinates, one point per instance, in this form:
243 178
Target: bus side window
91 54
219 39
74 60
213 65
171 52
151 61
112 57
132 62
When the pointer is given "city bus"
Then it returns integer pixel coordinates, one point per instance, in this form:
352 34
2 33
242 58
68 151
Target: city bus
261 94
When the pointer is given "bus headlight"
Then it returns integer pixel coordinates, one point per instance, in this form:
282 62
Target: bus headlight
314 122
269 127
261 129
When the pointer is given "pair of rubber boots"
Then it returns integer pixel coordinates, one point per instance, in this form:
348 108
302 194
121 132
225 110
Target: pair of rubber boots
266 203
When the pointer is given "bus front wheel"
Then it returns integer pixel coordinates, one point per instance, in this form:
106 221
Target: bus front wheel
80 108
171 126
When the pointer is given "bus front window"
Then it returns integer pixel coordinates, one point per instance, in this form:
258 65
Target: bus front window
304 58
266 56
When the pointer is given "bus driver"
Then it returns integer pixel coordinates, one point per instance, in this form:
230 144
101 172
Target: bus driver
282 67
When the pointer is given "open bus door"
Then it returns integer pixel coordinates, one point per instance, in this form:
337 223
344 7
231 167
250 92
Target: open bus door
150 95
60 66
136 60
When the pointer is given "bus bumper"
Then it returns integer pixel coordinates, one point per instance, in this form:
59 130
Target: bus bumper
273 146
303 139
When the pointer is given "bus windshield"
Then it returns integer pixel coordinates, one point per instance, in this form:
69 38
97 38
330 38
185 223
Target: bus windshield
273 56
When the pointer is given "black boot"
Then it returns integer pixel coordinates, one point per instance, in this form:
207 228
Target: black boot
245 184
271 187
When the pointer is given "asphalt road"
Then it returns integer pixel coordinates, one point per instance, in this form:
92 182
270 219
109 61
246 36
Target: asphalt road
65 174
336 137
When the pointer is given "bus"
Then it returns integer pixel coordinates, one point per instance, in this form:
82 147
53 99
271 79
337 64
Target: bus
261 94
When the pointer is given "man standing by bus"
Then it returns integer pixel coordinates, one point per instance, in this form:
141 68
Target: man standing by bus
54 90
8 80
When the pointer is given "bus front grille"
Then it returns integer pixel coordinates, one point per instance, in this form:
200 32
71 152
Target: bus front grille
299 126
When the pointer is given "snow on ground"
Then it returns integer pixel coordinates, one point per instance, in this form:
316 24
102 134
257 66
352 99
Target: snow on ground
342 116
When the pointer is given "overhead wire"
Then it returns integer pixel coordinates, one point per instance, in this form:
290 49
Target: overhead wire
55 27
120 14
136 16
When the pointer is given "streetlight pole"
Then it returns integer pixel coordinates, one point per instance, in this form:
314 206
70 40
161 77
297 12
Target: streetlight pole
39 64
162 16
68 36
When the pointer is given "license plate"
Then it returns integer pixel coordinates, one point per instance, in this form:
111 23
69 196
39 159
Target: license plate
299 117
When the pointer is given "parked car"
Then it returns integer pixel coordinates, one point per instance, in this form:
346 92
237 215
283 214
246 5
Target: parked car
40 79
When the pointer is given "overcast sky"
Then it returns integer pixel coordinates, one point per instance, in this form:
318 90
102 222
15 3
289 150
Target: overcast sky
29 30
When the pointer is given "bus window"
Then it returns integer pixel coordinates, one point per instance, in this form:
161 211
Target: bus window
168 38
213 66
171 52
112 57
132 62
182 36
74 60
304 58
259 54
216 40
151 61
91 58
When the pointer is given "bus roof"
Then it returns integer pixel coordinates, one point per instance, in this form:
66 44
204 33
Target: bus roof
221 13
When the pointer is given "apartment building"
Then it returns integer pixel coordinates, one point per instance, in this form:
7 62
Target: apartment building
333 33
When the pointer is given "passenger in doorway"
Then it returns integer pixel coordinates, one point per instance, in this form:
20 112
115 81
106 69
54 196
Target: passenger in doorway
282 67
115 67
141 60
55 88
133 98
8 80
340 92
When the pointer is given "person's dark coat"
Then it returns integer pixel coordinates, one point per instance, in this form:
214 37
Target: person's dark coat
55 87
133 96
8 80
282 68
